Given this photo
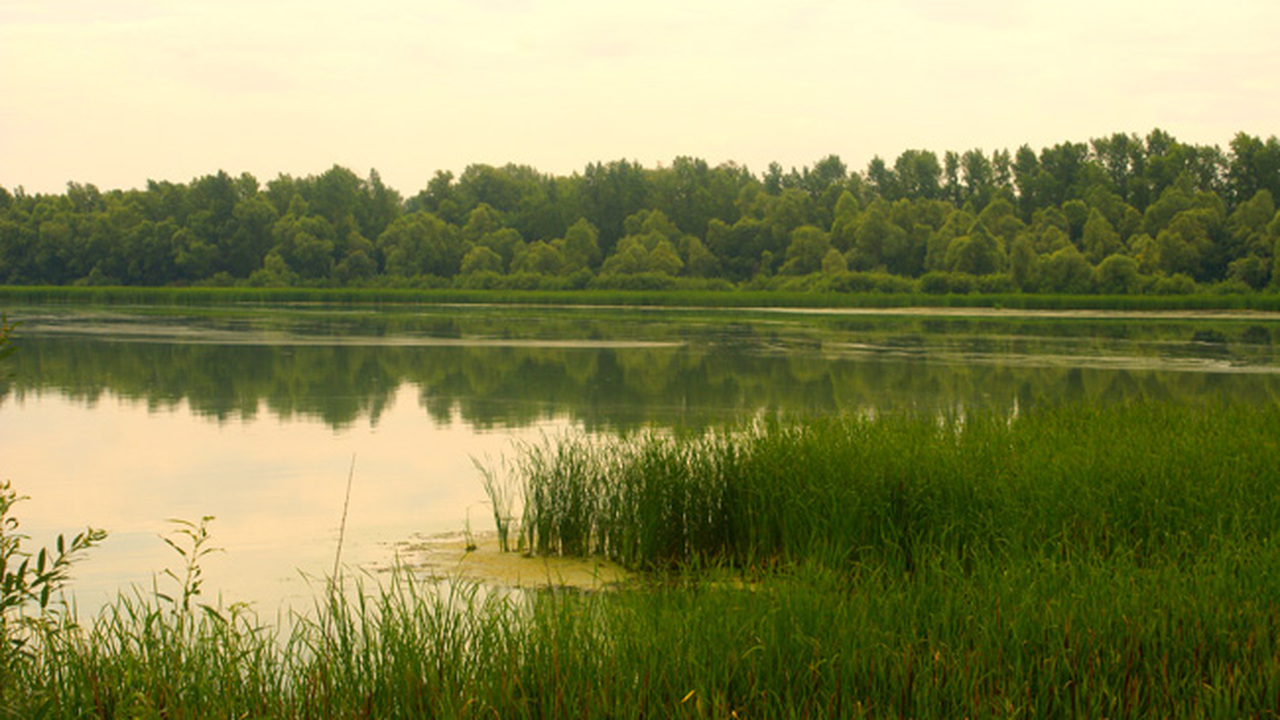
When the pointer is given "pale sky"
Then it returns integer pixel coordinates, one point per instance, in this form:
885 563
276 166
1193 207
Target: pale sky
116 92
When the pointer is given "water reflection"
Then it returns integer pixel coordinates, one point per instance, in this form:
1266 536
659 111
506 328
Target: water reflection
124 419
616 373
276 487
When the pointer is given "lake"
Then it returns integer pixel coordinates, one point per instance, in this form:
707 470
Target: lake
123 418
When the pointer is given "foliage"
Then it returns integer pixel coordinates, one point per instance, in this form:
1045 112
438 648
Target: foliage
190 540
1176 208
30 582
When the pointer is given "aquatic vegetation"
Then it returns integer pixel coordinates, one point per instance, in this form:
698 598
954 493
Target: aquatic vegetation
1068 561
897 488
686 293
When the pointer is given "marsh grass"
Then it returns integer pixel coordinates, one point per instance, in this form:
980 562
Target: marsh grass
497 482
1053 638
1153 480
726 297
1073 562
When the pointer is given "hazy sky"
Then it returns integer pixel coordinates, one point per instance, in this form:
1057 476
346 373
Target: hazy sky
116 92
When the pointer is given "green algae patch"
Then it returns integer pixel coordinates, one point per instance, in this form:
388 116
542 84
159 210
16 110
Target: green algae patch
480 559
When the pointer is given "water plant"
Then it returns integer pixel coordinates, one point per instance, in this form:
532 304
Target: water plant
497 486
31 583
191 541
1146 478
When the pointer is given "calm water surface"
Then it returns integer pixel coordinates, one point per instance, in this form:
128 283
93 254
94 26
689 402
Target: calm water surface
123 418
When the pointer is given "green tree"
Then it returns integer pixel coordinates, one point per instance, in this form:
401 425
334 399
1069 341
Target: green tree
1250 270
506 242
1122 158
194 258
1247 226
1143 248
844 223
1186 245
999 218
440 198
377 207
481 259
882 180
1174 199
1124 218
1077 214
977 253
609 194
742 247
1254 166
275 272
919 174
482 220
833 263
251 238
809 245
1275 265
951 190
649 252
955 226
691 193
539 258
420 244
978 177
581 246
1066 271
499 188
1063 173
1118 275
1099 239
355 266
1022 262
698 260
305 242
1026 174
879 243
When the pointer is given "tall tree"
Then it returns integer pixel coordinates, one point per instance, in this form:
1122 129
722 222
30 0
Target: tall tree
609 194
1099 239
420 244
919 174
1254 165
809 245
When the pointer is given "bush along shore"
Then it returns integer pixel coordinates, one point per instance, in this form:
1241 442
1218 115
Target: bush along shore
1072 561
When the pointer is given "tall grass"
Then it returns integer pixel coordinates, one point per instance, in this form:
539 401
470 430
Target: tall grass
1151 479
1054 638
1070 562
672 297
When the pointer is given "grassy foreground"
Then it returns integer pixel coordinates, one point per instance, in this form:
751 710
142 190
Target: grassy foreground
1118 562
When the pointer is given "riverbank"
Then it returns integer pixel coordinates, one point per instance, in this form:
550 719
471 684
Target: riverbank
749 299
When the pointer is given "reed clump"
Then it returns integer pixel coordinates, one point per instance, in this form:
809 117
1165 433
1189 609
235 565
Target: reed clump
1150 480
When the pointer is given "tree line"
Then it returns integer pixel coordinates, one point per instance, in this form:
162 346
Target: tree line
1117 214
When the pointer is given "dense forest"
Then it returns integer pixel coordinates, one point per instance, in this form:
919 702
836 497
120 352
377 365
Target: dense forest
1119 214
